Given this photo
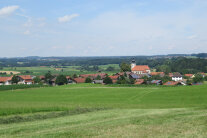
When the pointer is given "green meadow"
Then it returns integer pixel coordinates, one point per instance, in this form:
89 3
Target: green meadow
67 70
86 110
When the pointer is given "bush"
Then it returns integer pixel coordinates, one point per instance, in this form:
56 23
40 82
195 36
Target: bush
88 80
107 80
22 86
198 78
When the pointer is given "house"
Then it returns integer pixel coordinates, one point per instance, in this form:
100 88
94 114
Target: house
157 82
5 80
161 74
170 75
94 76
98 81
139 69
70 80
203 74
139 81
177 77
79 80
114 78
172 83
134 76
25 79
189 75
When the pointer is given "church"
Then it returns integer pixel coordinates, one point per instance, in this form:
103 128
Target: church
139 69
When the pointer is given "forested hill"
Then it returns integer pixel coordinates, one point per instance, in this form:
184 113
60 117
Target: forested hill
170 63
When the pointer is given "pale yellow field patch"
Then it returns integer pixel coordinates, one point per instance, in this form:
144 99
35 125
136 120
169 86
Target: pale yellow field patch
9 72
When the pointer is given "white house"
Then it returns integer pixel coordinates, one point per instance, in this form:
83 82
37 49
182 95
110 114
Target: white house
5 80
177 77
139 69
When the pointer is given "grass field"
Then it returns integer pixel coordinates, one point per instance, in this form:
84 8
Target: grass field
69 70
86 110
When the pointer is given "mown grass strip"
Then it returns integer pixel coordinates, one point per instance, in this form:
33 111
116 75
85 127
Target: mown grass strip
19 118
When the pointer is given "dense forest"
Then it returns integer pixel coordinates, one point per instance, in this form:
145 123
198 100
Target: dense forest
170 63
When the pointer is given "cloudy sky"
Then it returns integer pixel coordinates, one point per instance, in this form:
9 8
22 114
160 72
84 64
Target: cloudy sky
102 27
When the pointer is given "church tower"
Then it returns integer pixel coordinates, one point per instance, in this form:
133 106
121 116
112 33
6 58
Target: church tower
133 63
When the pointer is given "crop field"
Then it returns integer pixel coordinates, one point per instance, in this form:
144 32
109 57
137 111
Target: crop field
86 110
69 70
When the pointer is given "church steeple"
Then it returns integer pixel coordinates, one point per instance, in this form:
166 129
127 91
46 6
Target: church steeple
133 63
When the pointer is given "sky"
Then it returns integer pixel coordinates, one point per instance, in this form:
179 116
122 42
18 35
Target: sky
102 27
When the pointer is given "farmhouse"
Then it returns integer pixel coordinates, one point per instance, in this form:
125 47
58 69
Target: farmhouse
161 74
94 76
5 80
25 79
139 69
79 80
177 77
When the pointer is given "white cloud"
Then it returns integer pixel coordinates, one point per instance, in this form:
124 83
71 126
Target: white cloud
192 37
67 18
8 10
27 32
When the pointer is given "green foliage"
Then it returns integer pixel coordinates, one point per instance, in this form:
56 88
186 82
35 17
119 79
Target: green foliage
163 68
37 80
75 76
110 68
125 67
107 80
124 80
205 78
98 77
61 80
48 77
15 79
88 80
198 78
22 86
189 82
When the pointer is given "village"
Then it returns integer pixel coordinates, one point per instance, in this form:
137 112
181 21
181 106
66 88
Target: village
139 75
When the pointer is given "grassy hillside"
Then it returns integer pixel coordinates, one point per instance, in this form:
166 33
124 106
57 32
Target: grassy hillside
104 111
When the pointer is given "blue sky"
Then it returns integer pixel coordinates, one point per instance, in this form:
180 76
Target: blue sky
102 28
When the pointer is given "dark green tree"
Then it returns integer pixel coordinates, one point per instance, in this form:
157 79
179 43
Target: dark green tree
15 79
75 76
125 67
98 77
107 80
88 80
48 77
61 80
198 78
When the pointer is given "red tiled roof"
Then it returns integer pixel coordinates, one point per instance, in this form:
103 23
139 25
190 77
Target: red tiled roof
157 73
188 75
79 80
170 74
68 77
25 77
4 79
42 77
139 81
141 68
171 83
115 77
93 75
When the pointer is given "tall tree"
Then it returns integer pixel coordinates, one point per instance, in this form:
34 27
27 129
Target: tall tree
125 67
15 79
61 80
